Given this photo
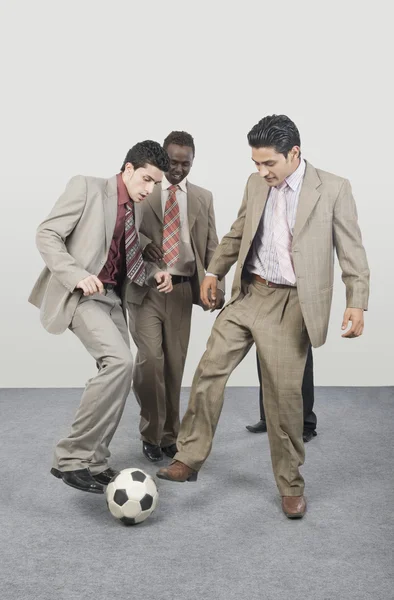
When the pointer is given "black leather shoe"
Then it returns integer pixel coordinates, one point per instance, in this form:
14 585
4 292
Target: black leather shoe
260 427
170 450
105 476
308 435
80 479
152 452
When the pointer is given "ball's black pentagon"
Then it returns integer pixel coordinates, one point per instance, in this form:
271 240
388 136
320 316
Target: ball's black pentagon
146 502
120 497
128 521
138 476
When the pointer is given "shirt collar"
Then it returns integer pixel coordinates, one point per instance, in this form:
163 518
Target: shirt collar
123 195
294 180
165 184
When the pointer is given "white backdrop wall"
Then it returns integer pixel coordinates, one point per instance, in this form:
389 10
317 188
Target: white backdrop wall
84 81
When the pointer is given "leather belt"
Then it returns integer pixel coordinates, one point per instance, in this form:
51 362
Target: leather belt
109 286
179 279
270 284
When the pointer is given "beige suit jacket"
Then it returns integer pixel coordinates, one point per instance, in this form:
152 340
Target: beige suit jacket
326 220
74 242
202 229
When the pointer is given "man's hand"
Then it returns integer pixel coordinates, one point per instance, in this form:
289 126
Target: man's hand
90 285
164 283
356 316
208 291
219 300
152 253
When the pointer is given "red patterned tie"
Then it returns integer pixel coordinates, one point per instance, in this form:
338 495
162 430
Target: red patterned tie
135 267
171 231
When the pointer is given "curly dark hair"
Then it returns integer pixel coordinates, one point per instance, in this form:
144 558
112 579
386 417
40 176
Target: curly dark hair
275 131
147 152
181 138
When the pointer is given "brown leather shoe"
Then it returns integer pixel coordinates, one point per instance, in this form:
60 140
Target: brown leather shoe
294 507
177 471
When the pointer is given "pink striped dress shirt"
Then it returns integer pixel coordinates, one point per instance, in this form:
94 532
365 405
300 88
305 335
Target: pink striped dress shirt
263 259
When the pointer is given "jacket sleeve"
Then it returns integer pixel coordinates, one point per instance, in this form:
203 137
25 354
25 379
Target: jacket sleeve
212 242
350 250
54 230
226 253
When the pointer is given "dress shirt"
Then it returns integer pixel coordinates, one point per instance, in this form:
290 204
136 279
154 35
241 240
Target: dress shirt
114 269
263 259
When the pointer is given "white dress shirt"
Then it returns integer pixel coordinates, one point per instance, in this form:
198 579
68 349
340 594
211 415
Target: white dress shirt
186 264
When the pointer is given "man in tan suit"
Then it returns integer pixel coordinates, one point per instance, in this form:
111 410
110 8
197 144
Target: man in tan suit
177 230
90 245
291 220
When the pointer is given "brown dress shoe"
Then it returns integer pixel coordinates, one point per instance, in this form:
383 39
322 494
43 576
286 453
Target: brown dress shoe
294 507
177 471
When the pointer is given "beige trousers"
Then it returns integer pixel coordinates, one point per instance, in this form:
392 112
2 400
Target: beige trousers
160 328
271 318
100 325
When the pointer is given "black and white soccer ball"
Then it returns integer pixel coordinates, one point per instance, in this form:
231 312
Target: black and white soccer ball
132 496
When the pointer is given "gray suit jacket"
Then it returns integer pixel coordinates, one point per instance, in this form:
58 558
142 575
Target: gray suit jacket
204 239
326 220
74 242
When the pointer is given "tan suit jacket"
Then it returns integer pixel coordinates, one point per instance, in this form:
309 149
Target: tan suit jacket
326 219
204 239
74 242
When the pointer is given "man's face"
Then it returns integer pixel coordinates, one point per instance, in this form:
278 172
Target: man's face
140 182
274 167
181 160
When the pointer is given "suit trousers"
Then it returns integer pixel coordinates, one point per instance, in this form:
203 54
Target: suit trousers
100 325
272 319
308 393
160 328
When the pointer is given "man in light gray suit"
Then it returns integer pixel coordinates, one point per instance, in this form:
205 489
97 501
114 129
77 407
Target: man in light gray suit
292 219
178 232
90 245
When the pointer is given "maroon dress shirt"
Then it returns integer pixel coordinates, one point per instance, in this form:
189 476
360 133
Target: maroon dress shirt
114 270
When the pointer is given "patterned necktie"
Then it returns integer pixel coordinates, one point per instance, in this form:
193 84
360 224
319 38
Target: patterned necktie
135 267
171 230
282 235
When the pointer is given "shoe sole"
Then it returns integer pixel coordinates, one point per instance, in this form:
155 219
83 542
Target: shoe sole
192 478
58 474
255 430
297 516
153 460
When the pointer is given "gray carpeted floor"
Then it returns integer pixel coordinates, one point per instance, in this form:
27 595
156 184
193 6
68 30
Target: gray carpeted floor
223 537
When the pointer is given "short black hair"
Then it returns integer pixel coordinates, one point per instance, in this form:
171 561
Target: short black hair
275 131
147 152
181 138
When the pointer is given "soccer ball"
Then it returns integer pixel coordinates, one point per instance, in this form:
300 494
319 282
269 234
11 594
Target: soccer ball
132 496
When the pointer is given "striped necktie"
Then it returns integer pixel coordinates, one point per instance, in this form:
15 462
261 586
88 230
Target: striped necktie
171 230
135 267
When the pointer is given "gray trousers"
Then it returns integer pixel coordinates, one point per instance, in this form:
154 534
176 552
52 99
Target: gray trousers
100 325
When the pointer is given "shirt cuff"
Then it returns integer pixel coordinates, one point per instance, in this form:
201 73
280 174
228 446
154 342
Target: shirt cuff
211 275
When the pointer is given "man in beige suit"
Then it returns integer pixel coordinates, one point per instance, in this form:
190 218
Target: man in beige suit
177 230
90 245
291 220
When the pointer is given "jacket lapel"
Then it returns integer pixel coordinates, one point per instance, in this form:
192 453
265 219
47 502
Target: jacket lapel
259 201
309 195
110 205
193 205
154 201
